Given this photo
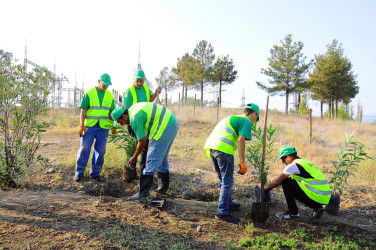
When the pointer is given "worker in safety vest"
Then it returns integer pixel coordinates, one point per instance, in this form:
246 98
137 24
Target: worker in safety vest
95 122
139 92
230 134
158 124
301 180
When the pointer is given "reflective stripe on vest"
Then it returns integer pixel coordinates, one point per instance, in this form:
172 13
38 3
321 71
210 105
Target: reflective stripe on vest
316 188
132 89
223 138
97 112
158 117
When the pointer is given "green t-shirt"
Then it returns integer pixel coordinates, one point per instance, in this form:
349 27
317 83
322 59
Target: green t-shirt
138 122
242 126
85 103
140 93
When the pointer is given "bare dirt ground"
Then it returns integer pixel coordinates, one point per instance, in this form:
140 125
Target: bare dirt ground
52 211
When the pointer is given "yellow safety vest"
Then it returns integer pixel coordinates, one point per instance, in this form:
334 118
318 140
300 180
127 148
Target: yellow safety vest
158 117
223 138
97 112
132 89
318 188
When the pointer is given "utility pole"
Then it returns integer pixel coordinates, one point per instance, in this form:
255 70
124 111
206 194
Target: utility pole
243 99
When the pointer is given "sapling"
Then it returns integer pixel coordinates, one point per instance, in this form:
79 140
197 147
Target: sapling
348 161
254 150
128 143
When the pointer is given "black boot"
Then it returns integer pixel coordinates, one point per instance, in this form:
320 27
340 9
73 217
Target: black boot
145 184
163 182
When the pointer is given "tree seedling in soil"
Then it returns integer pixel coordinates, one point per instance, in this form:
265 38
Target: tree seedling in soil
128 143
348 159
254 150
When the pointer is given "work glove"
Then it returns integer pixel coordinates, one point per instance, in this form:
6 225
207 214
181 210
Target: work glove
113 131
81 130
242 168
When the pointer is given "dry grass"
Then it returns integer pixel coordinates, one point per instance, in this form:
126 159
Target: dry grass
189 159
63 121
328 136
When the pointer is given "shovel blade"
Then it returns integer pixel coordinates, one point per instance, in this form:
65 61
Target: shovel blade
260 212
158 202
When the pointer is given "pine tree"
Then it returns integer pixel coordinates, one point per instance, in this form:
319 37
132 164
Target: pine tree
333 79
224 73
287 70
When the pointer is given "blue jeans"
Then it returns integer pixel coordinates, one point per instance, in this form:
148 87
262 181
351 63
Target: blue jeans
157 157
224 166
83 154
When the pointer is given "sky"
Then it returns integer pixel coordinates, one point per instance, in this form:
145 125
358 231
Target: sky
87 38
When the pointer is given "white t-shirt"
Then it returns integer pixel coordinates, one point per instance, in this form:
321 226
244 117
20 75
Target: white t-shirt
291 169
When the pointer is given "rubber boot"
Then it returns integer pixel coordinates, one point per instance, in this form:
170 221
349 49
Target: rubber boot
146 182
163 182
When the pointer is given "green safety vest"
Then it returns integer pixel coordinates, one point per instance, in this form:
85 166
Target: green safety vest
97 112
223 138
132 89
318 188
158 117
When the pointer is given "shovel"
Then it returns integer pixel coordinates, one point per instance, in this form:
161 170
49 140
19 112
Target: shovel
260 211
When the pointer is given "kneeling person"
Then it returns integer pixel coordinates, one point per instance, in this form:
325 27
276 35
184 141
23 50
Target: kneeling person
158 124
301 180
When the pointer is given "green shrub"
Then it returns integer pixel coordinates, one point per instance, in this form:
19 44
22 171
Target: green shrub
23 104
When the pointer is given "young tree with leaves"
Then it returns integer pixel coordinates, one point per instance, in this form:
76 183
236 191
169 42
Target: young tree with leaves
287 69
204 53
224 73
23 103
166 81
187 72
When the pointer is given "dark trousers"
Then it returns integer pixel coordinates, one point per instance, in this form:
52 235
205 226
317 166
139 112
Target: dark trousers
293 192
144 151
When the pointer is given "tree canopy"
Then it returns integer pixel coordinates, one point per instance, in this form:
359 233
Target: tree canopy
224 73
333 79
204 53
286 70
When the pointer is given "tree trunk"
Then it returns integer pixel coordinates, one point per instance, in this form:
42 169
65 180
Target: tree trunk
182 96
202 94
297 107
220 93
336 108
186 93
287 103
166 96
330 109
321 109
